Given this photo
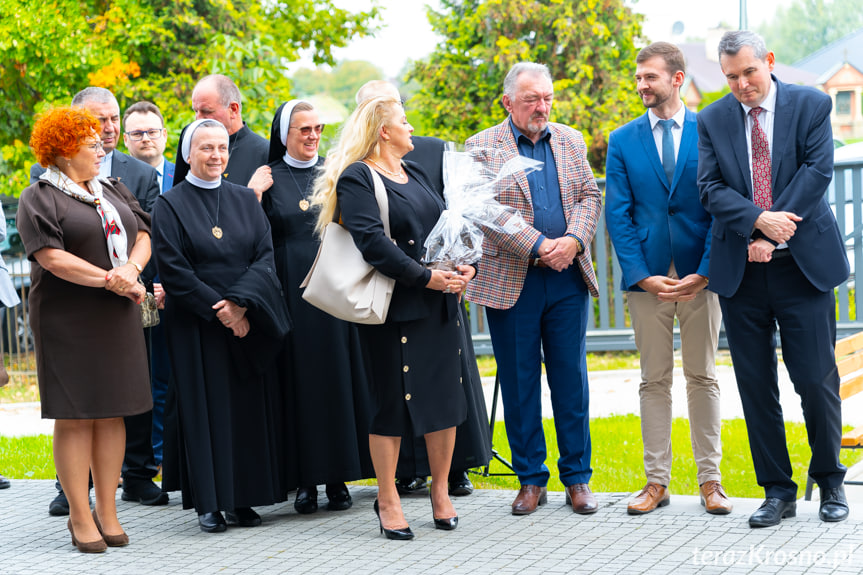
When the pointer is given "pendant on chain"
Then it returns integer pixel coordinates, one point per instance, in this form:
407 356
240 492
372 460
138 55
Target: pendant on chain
217 231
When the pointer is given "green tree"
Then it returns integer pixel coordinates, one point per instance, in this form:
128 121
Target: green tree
805 26
348 76
589 46
155 50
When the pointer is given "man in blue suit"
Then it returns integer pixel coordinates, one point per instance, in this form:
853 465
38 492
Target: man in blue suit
661 234
146 139
765 161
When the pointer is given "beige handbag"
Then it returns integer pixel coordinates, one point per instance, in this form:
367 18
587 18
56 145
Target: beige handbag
341 282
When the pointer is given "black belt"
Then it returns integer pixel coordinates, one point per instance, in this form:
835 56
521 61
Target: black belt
779 254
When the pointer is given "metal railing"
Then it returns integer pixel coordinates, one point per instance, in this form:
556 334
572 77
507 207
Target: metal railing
607 323
608 318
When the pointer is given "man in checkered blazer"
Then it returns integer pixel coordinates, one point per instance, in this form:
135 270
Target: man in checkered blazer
536 285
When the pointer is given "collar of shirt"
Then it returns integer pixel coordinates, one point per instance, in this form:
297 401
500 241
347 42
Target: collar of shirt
765 118
676 130
105 166
546 134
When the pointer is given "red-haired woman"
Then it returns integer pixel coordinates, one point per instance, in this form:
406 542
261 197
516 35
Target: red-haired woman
88 239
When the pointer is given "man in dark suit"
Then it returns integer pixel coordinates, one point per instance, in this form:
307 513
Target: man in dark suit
536 285
473 437
139 465
217 97
765 161
145 138
661 234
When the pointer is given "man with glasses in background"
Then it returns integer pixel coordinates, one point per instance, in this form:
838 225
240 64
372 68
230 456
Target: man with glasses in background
146 138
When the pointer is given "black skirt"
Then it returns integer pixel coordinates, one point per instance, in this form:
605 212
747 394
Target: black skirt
414 372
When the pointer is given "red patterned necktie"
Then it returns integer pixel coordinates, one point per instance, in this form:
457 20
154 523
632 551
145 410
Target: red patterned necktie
761 174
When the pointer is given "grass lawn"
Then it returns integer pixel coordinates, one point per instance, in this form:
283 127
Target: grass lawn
617 458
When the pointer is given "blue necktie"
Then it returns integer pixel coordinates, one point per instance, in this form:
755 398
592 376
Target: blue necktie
667 149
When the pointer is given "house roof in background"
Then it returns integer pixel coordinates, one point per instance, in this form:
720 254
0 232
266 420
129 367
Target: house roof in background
847 49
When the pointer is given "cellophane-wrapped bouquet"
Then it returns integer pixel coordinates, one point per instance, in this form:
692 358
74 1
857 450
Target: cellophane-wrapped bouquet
471 189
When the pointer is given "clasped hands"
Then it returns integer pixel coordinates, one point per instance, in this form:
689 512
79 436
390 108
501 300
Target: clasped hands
451 281
232 317
123 281
779 227
559 253
668 289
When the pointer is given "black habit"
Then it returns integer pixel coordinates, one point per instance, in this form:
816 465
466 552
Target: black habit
326 392
229 416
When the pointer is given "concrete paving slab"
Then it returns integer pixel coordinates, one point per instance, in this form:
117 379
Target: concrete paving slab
678 539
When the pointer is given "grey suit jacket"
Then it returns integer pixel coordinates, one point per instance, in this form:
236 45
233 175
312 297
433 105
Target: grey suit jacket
141 179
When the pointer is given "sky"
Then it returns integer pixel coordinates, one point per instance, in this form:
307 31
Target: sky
406 33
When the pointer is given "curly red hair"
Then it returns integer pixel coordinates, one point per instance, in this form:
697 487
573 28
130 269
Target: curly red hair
61 132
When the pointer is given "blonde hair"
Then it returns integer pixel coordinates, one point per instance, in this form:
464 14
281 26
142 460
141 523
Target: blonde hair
358 138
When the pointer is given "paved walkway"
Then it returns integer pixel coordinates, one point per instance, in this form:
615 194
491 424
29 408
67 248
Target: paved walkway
679 539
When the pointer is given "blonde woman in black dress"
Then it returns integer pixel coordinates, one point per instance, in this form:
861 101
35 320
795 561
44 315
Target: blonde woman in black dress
412 359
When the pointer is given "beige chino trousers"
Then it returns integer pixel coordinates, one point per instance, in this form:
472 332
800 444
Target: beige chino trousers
653 322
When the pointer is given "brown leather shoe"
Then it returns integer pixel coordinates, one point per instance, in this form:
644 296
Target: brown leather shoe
528 499
582 500
714 499
652 496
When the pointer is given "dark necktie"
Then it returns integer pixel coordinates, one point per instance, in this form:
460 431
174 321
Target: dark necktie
762 194
667 149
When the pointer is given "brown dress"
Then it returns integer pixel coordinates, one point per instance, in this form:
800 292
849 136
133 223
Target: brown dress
90 354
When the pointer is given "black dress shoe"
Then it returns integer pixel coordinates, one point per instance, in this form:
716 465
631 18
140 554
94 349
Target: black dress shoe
144 491
409 485
59 506
402 534
4 483
243 516
459 484
339 497
212 522
307 500
772 511
834 506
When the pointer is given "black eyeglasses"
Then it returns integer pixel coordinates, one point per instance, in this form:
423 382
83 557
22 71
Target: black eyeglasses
307 130
138 135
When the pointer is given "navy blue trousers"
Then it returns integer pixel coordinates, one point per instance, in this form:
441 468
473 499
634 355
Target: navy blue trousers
550 315
774 293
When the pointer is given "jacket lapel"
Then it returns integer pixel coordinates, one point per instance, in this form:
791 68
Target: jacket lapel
118 166
688 146
781 128
509 149
645 134
737 140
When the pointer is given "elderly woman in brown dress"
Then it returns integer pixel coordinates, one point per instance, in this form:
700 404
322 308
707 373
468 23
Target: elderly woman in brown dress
88 240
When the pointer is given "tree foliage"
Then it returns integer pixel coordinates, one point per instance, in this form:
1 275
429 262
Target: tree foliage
805 26
341 83
589 46
155 50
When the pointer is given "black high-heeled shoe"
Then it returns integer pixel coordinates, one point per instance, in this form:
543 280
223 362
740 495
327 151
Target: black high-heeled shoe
447 524
402 534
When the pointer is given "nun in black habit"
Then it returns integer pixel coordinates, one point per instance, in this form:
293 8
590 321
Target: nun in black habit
326 392
226 319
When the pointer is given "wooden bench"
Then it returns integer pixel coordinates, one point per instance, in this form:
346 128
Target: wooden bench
849 362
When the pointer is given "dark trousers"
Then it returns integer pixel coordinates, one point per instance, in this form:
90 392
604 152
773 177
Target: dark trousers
551 312
160 369
139 462
774 293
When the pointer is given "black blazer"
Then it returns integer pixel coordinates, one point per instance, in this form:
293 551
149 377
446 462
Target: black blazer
411 220
802 166
428 153
141 179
